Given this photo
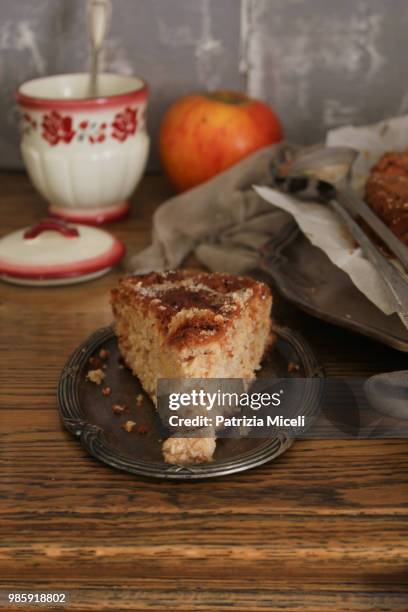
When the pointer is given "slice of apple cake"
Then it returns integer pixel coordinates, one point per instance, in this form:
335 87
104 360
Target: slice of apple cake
186 324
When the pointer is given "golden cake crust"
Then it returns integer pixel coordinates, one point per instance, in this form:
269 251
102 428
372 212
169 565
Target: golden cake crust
191 307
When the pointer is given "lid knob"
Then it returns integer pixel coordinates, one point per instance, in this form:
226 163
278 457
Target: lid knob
55 225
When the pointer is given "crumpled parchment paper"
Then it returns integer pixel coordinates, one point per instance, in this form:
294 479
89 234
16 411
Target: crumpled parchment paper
322 226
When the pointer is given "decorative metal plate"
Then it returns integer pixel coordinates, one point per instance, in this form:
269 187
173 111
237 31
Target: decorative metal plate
88 414
305 276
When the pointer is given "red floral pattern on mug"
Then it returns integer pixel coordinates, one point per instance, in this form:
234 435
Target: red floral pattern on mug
124 124
57 128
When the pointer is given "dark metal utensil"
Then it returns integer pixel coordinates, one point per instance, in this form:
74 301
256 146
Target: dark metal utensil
347 197
88 415
306 277
388 393
310 188
333 165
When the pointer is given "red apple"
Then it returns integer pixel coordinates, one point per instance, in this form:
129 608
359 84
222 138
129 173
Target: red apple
205 133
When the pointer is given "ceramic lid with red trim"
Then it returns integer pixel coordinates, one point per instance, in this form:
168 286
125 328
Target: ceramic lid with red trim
55 253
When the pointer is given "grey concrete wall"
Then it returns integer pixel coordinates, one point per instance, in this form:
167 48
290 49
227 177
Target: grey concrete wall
320 63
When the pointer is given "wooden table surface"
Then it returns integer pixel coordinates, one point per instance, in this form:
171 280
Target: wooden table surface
322 528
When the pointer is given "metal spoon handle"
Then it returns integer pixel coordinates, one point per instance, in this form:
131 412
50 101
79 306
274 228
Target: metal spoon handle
318 162
397 288
352 201
99 13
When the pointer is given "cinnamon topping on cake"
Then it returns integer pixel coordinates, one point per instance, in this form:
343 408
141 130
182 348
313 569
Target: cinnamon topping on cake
214 300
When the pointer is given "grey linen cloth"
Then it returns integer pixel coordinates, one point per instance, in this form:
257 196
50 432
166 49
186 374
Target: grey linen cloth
223 221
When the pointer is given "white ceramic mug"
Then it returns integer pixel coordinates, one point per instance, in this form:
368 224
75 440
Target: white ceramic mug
84 155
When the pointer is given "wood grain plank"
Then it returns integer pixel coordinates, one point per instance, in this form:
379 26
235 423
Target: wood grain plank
376 478
323 527
183 595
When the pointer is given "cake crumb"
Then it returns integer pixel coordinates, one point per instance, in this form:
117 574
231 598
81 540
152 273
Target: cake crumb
129 426
119 408
139 399
103 353
184 451
95 362
106 391
96 376
293 367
